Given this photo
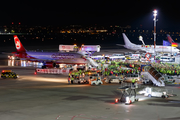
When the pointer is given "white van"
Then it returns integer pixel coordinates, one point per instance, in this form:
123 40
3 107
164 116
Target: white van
117 56
166 59
129 77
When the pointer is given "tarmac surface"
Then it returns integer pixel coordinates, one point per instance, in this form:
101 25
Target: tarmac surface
50 97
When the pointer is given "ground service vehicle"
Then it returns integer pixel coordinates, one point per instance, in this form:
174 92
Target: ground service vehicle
166 59
99 72
169 79
80 79
95 79
114 79
154 92
117 56
8 74
129 77
89 72
128 95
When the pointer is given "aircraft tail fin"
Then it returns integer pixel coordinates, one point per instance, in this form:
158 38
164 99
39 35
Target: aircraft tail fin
18 44
169 38
126 40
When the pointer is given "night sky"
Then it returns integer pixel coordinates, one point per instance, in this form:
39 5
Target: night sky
135 13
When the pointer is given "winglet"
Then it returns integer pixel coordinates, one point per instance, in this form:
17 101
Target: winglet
18 44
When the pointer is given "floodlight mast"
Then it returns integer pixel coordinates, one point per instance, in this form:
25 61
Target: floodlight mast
155 14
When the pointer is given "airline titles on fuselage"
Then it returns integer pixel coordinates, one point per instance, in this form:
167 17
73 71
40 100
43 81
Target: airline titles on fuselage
62 56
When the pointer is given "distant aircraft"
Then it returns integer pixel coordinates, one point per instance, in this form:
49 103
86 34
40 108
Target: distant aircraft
50 59
148 48
169 38
172 41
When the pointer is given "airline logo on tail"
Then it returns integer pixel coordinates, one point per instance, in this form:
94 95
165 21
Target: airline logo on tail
19 46
173 44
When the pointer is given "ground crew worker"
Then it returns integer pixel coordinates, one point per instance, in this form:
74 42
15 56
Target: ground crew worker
69 79
80 72
72 73
72 79
133 81
69 74
108 73
76 74
132 71
142 76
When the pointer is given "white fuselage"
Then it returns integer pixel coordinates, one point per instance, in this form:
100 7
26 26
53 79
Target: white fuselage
66 58
151 49
148 48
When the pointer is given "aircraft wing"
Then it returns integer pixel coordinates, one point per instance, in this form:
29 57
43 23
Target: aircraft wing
6 53
120 45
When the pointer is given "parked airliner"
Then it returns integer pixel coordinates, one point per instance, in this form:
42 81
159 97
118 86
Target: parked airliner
50 59
148 48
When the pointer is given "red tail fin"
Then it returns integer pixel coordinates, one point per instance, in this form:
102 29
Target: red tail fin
19 46
169 38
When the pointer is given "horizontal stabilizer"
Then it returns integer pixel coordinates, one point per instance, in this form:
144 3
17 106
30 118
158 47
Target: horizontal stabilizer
120 45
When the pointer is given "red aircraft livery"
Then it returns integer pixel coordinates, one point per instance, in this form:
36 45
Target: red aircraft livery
48 57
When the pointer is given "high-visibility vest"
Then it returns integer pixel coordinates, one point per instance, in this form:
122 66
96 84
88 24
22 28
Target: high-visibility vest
133 80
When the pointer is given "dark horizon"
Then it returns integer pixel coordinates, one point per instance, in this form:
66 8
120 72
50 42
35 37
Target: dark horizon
133 13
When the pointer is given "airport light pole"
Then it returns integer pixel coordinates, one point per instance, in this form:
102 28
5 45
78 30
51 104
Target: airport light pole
155 14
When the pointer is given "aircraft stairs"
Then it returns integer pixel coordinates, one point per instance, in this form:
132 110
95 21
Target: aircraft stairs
92 62
154 76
